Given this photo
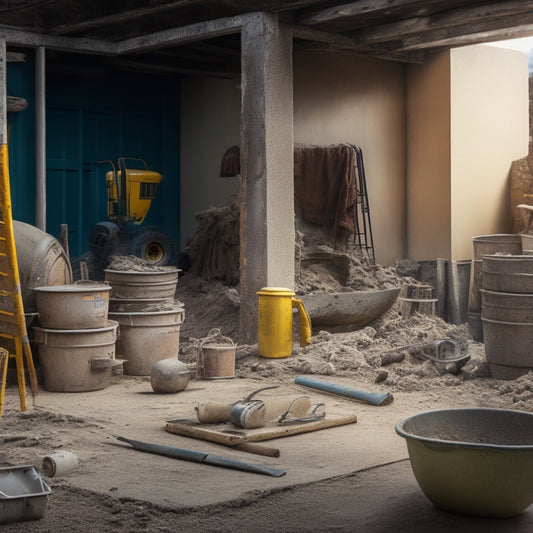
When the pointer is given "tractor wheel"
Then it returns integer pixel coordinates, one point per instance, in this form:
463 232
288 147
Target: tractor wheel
104 241
153 245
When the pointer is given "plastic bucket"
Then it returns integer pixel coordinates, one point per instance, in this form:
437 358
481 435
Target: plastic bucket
507 347
148 337
507 243
141 285
82 305
68 357
507 306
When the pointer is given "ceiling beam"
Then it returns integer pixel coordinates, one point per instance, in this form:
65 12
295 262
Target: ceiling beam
443 20
471 33
357 9
122 17
186 34
341 42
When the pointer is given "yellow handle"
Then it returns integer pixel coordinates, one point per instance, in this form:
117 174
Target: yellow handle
305 322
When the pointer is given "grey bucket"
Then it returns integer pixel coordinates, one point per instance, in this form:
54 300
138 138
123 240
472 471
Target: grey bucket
507 347
507 306
148 337
506 243
507 273
68 357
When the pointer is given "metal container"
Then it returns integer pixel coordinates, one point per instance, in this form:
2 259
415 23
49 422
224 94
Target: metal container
507 273
141 285
23 494
472 461
507 306
148 337
77 360
82 305
505 243
508 347
41 261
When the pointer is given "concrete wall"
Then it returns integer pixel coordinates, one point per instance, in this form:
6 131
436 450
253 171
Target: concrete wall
344 98
467 121
210 124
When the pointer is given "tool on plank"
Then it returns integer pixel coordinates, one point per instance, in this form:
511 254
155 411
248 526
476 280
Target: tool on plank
251 413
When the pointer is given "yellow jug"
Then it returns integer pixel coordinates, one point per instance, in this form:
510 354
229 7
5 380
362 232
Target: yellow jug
275 322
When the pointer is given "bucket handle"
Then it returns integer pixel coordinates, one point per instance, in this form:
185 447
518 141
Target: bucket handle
305 322
214 335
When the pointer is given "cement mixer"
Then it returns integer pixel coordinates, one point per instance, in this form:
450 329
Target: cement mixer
41 261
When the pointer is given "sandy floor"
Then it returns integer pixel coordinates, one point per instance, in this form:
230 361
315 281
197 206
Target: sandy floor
355 477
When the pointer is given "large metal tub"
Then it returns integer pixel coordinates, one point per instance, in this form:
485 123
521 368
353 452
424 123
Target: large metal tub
355 308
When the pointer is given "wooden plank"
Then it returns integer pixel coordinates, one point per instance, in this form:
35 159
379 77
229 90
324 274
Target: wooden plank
230 436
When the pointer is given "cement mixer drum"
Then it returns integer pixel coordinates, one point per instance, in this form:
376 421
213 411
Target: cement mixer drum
41 261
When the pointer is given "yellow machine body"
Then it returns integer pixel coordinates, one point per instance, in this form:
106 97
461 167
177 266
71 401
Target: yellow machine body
275 305
130 192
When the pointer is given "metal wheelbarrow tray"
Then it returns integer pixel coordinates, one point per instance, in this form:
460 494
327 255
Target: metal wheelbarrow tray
23 494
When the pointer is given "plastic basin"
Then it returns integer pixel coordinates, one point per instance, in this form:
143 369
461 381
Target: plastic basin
473 461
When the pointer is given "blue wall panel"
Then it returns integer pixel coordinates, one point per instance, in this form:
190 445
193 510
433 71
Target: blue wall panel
89 119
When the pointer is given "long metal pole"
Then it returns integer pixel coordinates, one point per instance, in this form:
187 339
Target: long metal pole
40 139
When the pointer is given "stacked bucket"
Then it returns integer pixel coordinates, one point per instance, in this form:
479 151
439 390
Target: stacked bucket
150 318
76 341
486 244
507 312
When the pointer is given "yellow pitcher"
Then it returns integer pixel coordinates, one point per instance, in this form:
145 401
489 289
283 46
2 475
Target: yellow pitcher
275 322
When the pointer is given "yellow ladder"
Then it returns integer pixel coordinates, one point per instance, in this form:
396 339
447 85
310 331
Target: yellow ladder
12 321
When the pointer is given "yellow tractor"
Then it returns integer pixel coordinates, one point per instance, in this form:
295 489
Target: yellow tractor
130 190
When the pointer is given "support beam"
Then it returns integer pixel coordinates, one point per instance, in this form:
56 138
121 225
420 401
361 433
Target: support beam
267 164
40 139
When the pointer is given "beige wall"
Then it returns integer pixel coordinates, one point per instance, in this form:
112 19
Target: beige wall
428 159
464 112
467 121
489 129
345 98
210 124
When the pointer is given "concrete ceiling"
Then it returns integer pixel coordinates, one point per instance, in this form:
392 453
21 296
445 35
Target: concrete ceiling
202 37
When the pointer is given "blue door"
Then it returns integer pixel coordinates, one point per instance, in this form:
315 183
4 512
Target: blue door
90 120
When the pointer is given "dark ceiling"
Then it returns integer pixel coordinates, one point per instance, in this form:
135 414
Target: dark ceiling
399 30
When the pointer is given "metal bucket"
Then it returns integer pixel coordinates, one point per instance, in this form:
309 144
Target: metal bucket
71 360
148 337
507 273
82 305
41 261
506 243
507 347
507 306
141 285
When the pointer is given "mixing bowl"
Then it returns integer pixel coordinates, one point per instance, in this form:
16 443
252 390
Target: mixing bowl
473 461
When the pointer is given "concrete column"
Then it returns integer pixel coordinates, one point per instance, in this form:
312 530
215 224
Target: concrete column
267 164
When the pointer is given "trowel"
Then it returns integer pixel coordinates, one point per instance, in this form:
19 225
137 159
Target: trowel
251 413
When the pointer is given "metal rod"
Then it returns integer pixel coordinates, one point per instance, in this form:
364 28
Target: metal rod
201 457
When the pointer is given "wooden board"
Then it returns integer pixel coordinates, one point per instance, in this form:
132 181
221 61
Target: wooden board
229 435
